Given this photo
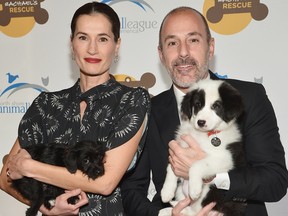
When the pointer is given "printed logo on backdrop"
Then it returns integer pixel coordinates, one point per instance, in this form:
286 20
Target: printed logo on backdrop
14 85
135 26
17 18
139 3
256 80
146 81
232 16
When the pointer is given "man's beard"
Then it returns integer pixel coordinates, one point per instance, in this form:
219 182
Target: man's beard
198 73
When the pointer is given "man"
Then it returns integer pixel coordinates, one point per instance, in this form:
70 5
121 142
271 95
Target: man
185 48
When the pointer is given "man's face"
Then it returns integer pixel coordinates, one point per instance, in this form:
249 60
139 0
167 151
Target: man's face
185 50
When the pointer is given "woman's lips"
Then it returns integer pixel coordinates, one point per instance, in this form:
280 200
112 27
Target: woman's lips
92 60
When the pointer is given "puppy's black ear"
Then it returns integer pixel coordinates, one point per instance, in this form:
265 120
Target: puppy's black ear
232 101
187 105
70 160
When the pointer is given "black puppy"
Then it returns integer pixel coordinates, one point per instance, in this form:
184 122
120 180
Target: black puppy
86 156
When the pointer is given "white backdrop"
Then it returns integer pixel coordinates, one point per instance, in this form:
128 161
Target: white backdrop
35 55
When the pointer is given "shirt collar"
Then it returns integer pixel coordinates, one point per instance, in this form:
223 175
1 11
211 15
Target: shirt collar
179 96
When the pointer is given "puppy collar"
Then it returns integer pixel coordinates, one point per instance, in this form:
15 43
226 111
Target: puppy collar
215 141
213 132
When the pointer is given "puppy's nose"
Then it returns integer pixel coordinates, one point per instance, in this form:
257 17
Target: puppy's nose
201 123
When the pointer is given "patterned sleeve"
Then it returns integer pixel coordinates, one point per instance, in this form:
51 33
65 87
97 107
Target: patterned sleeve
134 109
30 130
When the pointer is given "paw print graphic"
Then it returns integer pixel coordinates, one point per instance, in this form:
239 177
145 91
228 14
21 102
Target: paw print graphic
146 81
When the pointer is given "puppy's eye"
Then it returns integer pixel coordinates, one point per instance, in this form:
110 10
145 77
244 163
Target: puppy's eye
86 160
216 105
197 104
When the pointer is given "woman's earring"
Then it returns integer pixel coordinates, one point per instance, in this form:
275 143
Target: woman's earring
116 58
72 56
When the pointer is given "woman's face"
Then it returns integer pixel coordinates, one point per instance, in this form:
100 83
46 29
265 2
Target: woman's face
93 44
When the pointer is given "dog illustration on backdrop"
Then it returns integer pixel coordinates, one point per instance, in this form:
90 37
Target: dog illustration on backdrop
86 156
210 112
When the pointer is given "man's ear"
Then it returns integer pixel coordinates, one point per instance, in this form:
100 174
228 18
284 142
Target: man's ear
160 53
211 48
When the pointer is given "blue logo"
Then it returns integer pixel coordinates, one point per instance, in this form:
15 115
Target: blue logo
134 26
256 80
139 3
221 76
18 106
16 86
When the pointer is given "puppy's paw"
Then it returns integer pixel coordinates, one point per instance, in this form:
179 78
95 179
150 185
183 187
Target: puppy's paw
195 190
165 212
167 195
173 203
49 202
195 194
73 200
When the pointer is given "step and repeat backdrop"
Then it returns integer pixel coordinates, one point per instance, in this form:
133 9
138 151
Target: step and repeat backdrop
35 55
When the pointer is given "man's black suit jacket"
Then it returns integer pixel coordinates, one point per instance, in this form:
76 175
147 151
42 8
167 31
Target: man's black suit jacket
264 180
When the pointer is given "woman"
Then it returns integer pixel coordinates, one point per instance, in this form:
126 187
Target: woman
95 108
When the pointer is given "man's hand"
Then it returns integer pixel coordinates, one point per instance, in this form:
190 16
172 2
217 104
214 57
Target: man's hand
206 211
180 206
63 208
181 158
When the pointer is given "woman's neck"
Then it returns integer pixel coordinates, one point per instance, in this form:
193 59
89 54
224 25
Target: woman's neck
88 82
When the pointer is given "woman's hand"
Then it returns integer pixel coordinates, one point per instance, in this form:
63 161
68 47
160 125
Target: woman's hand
181 158
16 164
63 208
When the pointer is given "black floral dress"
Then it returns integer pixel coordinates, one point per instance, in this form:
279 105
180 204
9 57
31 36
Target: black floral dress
113 115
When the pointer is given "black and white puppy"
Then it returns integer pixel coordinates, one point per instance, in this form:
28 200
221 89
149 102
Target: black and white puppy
86 156
209 112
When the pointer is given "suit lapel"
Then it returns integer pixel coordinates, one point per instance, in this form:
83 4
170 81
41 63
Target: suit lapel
167 118
213 76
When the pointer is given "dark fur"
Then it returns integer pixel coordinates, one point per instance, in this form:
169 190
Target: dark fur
86 156
229 107
228 208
